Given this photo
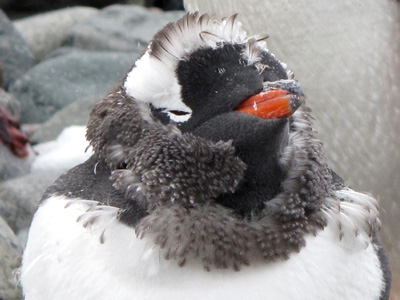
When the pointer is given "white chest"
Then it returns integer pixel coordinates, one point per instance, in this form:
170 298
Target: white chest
64 260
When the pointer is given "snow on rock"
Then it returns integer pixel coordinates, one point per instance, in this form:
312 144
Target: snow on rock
68 150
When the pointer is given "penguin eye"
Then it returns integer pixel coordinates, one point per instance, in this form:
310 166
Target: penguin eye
178 116
179 112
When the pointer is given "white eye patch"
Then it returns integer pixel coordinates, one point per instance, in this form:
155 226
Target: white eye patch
179 116
154 82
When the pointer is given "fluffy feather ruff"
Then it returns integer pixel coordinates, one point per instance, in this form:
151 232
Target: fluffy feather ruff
355 216
95 212
189 169
215 236
186 223
308 174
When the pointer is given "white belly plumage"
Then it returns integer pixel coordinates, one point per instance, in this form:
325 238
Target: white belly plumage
70 259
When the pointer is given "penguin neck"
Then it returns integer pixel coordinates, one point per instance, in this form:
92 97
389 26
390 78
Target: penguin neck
259 143
264 173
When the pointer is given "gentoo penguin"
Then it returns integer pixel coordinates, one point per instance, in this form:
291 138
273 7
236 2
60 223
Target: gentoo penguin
207 182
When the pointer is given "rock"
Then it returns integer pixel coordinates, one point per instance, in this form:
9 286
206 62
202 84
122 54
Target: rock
22 236
19 197
136 2
45 32
30 129
120 27
12 166
2 85
45 5
166 4
4 3
76 113
68 77
15 56
10 260
11 103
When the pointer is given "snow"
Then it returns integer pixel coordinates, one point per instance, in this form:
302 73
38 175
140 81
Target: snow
68 150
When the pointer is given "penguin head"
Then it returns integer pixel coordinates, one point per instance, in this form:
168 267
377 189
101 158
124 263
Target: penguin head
201 67
207 77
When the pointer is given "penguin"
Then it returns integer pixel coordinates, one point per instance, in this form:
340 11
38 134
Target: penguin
207 182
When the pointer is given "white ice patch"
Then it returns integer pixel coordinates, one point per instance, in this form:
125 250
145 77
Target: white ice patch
65 152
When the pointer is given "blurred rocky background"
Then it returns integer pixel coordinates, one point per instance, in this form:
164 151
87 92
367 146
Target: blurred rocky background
59 58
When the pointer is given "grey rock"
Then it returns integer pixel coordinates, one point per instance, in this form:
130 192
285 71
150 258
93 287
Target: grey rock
15 56
45 32
29 129
76 113
67 77
12 166
4 3
120 27
19 197
10 258
136 2
165 4
46 5
22 236
2 84
11 103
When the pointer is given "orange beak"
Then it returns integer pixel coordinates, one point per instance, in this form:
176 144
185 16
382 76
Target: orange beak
273 103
